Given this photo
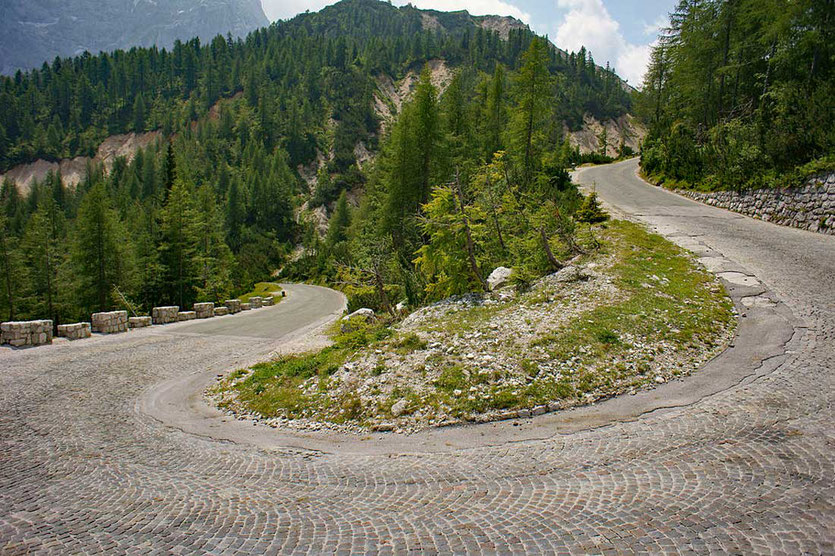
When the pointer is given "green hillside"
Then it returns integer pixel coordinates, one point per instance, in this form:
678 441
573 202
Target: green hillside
212 209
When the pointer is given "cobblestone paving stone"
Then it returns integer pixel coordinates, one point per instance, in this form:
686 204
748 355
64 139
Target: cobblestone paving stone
751 469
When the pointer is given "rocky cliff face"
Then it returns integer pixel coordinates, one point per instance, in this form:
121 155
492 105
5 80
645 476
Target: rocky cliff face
34 31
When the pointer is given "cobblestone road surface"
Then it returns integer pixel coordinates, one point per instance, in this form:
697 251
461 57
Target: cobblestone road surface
750 469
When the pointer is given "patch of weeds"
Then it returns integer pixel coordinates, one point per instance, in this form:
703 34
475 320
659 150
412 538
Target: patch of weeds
409 343
451 379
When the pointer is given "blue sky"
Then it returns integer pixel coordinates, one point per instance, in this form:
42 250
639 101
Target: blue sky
618 31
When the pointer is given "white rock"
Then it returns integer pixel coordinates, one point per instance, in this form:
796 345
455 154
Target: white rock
567 274
398 408
364 313
499 278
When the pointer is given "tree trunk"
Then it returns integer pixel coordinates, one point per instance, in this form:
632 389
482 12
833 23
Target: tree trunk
547 247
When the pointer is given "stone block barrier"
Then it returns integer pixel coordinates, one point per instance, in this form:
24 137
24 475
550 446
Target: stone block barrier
26 333
139 322
246 306
234 305
221 311
111 322
76 331
268 301
256 302
810 207
164 315
186 315
204 310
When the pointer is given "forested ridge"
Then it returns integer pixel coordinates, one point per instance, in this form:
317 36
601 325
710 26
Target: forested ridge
209 210
741 93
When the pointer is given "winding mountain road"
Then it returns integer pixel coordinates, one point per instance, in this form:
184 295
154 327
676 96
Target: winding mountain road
107 446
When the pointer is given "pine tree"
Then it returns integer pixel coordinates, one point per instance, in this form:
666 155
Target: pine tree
12 271
213 257
340 221
179 245
139 114
532 89
101 253
43 251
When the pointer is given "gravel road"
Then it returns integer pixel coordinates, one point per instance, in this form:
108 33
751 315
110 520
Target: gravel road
105 446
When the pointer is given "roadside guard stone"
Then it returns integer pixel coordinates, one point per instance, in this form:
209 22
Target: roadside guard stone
111 322
246 306
255 302
139 322
26 333
234 305
221 311
186 315
164 315
75 331
204 310
268 301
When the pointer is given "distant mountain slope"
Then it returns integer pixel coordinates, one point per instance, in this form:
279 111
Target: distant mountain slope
35 31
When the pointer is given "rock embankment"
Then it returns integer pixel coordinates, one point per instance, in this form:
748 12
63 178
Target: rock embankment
811 207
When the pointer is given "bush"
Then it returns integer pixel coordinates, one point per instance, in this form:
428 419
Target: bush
591 211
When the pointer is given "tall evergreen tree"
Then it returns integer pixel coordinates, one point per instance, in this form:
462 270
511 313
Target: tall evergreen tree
101 253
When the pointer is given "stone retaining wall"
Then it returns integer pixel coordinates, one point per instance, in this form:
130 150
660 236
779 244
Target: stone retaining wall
112 322
811 207
139 322
26 333
204 310
34 333
76 331
164 315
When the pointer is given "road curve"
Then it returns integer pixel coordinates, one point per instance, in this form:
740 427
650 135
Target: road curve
89 464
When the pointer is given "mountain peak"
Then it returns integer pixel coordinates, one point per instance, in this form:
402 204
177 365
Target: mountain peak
36 31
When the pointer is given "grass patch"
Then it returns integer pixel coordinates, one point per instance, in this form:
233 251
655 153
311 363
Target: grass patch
276 388
667 299
263 289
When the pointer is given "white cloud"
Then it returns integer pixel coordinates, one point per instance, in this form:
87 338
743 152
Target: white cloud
283 9
588 23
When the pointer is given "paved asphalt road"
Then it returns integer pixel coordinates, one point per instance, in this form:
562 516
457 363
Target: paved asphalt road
91 461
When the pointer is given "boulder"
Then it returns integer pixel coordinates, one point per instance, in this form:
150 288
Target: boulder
75 331
110 322
567 274
364 315
164 315
499 278
204 310
26 333
139 322
399 408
